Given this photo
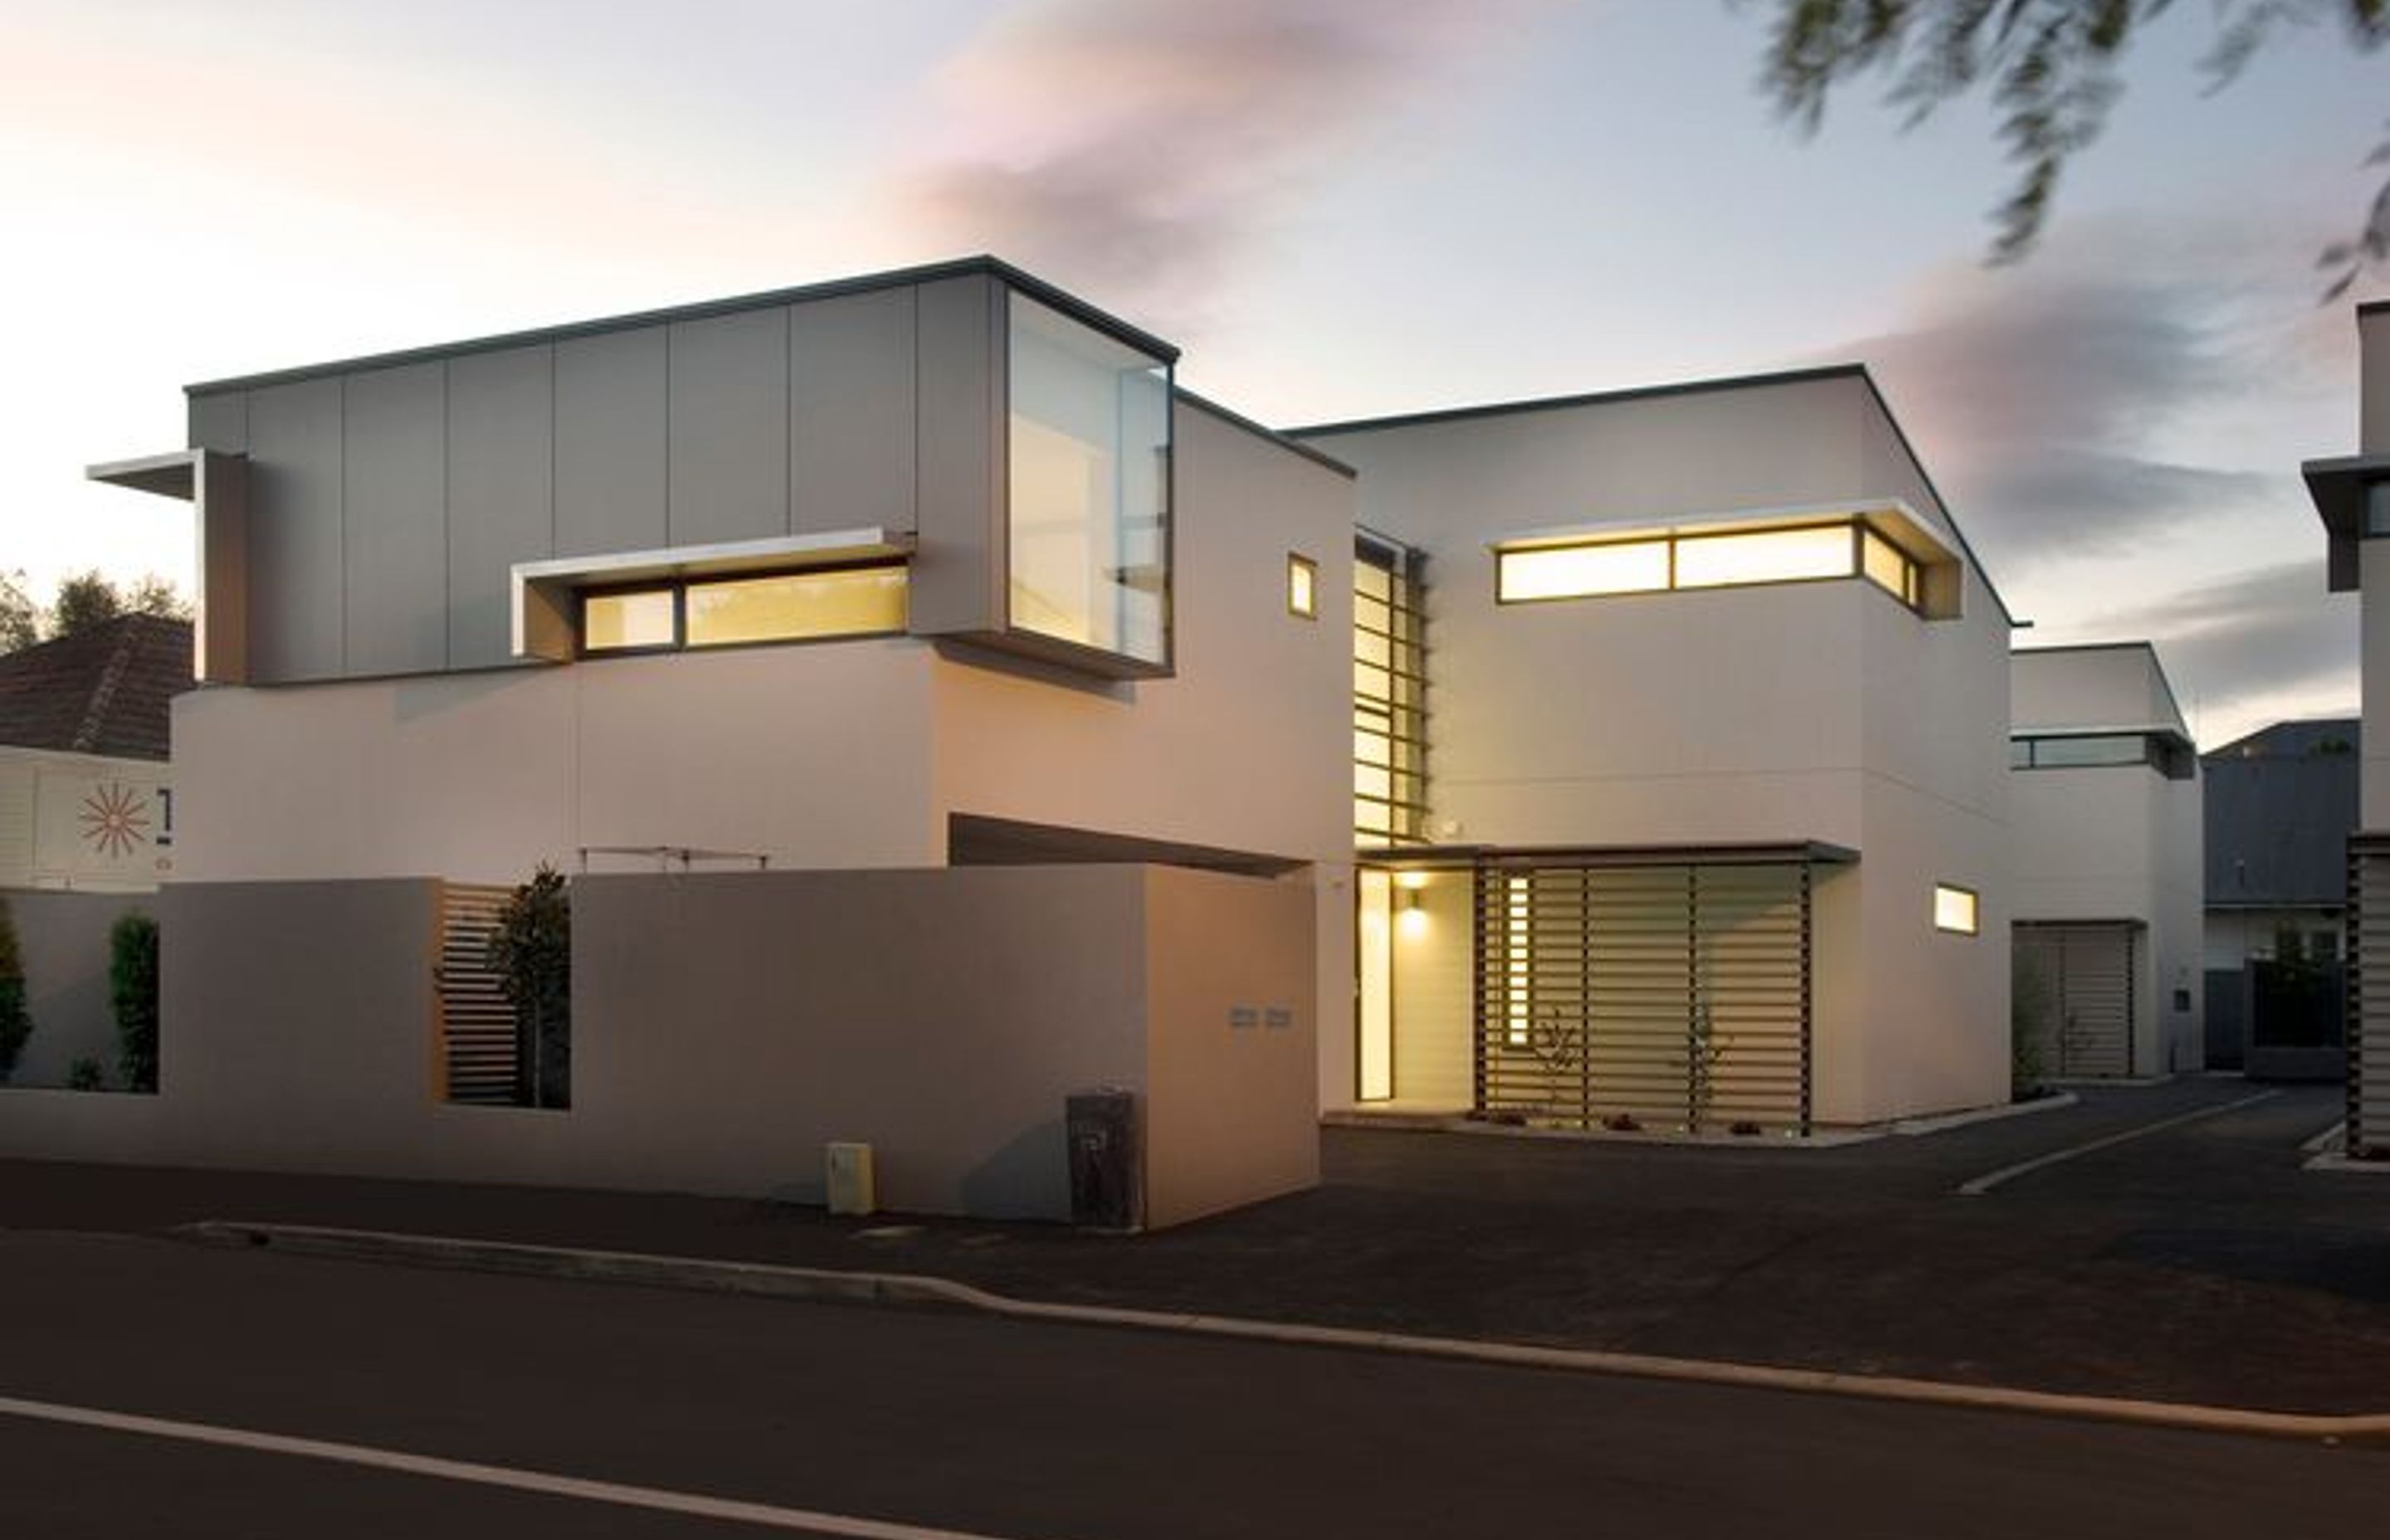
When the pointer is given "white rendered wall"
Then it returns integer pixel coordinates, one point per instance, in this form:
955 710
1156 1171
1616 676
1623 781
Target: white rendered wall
816 755
2057 689
2116 842
1822 711
1248 747
2374 573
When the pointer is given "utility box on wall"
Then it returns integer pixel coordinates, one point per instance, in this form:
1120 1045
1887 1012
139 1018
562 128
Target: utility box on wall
847 1173
1107 1161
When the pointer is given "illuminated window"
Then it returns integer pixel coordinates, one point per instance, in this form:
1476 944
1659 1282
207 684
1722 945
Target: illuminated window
1389 694
1764 556
1808 553
1574 571
1954 909
1888 567
1519 984
1302 586
621 622
1088 486
849 601
779 607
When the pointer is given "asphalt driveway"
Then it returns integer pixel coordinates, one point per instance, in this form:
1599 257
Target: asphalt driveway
2194 1261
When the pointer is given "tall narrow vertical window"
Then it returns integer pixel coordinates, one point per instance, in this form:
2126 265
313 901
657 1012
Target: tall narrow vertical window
1302 586
1088 486
1518 952
1389 695
1374 961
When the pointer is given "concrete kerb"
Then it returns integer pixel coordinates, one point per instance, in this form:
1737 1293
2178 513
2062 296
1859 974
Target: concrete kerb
1817 1139
834 1286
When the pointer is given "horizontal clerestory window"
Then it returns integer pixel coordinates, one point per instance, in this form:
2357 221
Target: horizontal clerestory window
2163 752
1805 553
732 611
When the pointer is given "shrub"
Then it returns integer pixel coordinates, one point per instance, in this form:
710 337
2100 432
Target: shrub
86 1076
2028 1000
15 1024
133 995
531 950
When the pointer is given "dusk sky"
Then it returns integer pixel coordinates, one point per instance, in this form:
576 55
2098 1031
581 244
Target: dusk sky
1336 208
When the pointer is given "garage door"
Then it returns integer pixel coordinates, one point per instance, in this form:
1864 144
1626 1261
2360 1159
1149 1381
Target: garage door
2076 981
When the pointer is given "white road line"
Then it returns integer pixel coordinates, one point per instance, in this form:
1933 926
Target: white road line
690 1503
1983 1185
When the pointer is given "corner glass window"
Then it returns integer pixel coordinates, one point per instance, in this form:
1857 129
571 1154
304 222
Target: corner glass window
796 605
1731 558
1088 495
624 621
1888 567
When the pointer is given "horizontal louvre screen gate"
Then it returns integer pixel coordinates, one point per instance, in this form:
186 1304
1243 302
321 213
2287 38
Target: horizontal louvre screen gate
2369 993
2080 988
477 1024
1674 995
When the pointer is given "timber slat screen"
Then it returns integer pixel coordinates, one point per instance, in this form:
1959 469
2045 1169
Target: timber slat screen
2369 993
478 1053
1678 996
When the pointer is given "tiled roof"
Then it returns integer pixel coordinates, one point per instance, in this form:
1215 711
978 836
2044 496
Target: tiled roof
101 691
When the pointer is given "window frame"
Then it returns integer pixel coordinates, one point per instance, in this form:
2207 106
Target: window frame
1860 528
679 586
1974 924
1304 607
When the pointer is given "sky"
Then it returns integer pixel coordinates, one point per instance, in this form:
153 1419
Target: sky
1337 208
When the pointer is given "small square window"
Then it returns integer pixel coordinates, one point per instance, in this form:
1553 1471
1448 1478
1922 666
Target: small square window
1302 586
1955 909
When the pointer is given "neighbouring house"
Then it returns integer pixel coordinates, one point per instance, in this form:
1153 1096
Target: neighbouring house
1681 765
87 818
927 594
2106 806
2280 804
2352 496
86 798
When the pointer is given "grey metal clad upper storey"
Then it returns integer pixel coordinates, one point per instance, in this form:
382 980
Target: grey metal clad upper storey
392 496
2280 807
727 458
297 570
501 493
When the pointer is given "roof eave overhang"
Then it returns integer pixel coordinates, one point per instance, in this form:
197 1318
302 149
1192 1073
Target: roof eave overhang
2338 488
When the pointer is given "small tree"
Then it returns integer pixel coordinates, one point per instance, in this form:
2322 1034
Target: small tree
2028 1000
84 600
132 994
20 620
15 1024
531 950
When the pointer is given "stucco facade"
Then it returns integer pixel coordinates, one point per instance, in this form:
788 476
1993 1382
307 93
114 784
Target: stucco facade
1828 715
2109 834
